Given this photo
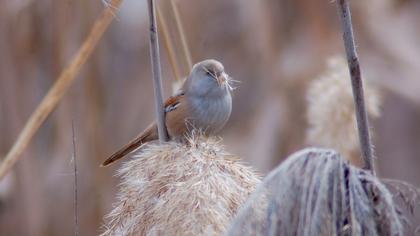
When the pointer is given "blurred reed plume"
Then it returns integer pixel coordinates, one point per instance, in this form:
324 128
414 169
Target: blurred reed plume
180 189
316 192
331 112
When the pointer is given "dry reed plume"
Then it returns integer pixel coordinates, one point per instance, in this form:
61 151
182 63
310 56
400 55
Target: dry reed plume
331 112
179 189
316 192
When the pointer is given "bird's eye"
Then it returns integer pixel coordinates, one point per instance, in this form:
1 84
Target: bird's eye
208 72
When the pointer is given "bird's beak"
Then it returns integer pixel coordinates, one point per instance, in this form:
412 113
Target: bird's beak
221 79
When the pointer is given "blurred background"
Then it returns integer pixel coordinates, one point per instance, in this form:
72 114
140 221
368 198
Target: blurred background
275 48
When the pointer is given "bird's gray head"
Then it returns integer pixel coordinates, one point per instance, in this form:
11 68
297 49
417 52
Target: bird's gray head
207 78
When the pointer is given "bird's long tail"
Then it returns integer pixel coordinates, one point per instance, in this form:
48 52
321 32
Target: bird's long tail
147 135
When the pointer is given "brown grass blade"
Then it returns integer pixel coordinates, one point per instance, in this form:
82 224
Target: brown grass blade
57 91
167 42
181 32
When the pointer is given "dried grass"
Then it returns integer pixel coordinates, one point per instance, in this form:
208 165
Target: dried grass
60 87
316 192
331 112
180 189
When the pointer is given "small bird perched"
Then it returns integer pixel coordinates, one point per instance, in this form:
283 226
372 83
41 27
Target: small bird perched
204 102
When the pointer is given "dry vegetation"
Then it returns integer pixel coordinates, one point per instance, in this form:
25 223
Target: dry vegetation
275 48
316 192
331 113
175 189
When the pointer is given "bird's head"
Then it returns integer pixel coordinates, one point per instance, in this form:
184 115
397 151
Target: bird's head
207 78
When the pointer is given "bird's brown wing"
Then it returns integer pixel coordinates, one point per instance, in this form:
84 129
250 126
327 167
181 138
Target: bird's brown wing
149 134
172 102
176 114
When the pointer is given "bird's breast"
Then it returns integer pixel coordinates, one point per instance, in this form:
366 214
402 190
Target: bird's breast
209 114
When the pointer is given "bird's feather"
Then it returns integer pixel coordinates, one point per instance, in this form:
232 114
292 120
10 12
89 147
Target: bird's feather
150 133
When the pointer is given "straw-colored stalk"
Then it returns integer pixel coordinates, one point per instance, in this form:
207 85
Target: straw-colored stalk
183 37
57 91
180 189
170 49
331 111
168 43
316 192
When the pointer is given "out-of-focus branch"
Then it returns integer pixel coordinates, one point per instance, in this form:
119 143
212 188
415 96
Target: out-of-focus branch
168 43
57 91
181 32
157 82
357 85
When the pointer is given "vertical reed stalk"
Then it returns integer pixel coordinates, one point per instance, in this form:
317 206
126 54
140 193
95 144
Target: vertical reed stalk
157 82
357 85
74 159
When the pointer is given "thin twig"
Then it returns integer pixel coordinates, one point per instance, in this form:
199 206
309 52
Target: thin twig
168 43
357 85
157 82
57 91
181 32
76 218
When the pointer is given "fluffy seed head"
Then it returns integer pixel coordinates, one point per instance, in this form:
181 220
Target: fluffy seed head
331 113
176 189
316 192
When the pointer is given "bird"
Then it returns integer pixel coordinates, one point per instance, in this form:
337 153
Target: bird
204 103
